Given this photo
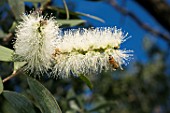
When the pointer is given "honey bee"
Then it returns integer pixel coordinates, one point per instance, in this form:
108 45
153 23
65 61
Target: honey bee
56 52
113 62
116 47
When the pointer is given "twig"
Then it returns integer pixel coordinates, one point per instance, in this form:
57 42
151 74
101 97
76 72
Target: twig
8 37
12 75
138 21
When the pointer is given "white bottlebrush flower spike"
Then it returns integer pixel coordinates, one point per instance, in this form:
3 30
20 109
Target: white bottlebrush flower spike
81 51
89 51
35 38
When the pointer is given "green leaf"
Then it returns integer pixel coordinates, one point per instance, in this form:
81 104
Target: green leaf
73 105
71 22
103 106
2 2
17 7
75 102
61 10
8 108
70 94
34 1
19 102
90 16
87 81
18 65
45 99
66 9
2 34
13 27
5 54
71 111
1 86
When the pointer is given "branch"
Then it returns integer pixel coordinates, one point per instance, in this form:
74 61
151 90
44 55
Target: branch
159 9
138 21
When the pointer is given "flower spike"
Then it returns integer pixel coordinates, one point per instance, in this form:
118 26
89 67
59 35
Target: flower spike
35 41
89 51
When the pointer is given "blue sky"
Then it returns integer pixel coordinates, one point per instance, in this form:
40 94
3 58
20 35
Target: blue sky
114 18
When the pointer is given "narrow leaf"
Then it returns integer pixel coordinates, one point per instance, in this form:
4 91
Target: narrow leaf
13 27
76 13
18 65
8 108
103 106
71 111
87 81
66 8
5 54
71 22
17 7
90 16
45 99
70 94
73 105
2 34
34 1
1 86
19 102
